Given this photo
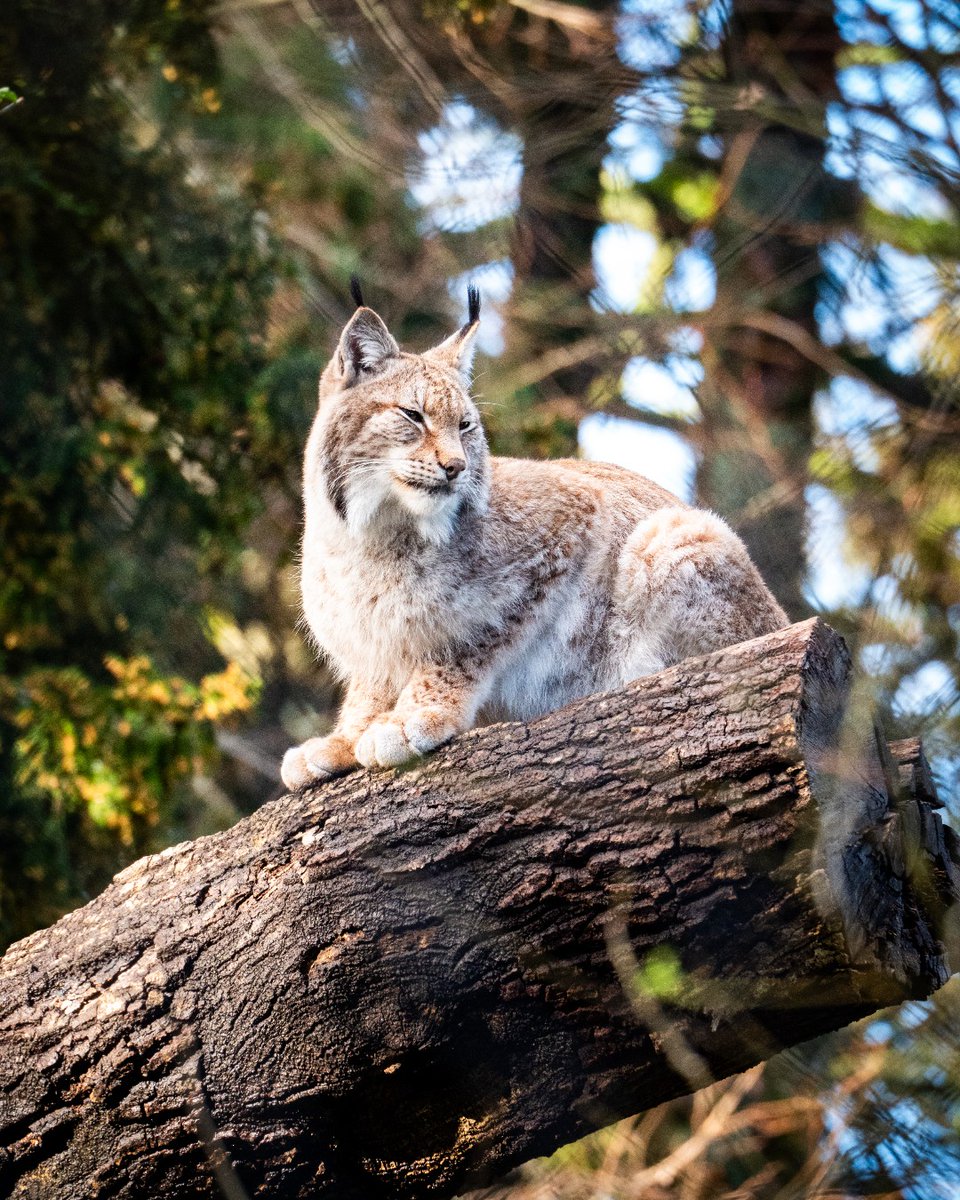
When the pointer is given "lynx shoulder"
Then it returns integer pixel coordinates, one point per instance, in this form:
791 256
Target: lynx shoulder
448 587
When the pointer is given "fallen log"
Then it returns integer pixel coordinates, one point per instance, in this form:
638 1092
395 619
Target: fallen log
404 983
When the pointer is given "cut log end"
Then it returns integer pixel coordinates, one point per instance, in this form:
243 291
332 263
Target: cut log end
406 983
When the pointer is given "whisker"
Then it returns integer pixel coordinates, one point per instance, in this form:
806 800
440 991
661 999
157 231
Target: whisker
360 466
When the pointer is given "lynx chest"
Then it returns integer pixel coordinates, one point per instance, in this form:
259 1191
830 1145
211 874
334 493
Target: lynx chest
378 618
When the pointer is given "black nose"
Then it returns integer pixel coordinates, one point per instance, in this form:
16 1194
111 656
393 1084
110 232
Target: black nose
454 467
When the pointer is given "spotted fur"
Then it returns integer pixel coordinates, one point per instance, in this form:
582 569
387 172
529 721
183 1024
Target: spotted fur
447 587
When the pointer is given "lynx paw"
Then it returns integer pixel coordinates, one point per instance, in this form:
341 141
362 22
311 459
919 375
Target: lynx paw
384 744
429 728
316 760
387 743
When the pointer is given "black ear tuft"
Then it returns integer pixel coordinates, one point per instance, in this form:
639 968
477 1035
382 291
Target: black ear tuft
355 291
473 305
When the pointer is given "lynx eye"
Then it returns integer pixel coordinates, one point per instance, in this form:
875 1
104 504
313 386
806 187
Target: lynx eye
413 415
465 424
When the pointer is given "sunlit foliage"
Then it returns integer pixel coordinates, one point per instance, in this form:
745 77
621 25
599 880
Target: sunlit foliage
132 314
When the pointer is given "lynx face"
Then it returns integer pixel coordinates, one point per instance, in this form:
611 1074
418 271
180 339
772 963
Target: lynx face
399 437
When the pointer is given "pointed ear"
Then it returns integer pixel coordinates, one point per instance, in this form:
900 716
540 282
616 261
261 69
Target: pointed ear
458 350
365 346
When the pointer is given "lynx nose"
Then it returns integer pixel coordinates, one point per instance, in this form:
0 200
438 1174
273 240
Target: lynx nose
453 467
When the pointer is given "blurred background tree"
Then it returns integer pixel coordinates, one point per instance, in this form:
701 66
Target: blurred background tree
131 325
718 242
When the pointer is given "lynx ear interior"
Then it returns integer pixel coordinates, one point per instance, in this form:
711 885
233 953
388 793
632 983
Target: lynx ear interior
458 350
365 345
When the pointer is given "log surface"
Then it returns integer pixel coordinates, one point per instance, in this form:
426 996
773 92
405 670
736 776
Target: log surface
404 983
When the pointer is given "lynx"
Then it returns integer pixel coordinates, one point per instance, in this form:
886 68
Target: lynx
447 587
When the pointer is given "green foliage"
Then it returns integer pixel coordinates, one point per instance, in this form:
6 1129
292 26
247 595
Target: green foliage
132 318
661 975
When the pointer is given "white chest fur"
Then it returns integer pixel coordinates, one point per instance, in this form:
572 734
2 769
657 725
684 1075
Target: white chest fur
379 615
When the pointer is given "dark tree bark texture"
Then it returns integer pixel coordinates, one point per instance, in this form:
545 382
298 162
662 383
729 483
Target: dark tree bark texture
404 983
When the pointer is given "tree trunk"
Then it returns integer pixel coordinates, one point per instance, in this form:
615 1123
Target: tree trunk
404 983
757 396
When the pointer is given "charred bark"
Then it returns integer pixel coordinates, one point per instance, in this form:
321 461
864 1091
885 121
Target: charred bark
404 983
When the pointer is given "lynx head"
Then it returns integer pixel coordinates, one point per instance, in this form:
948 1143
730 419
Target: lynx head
399 439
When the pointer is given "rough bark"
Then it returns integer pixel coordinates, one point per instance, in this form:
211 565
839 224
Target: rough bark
405 983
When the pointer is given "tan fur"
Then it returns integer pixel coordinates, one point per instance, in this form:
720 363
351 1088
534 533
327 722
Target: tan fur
448 587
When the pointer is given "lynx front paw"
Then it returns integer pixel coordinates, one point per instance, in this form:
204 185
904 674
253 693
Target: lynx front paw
316 760
388 743
384 744
429 728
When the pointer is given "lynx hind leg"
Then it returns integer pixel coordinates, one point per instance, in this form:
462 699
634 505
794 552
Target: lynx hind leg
686 586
